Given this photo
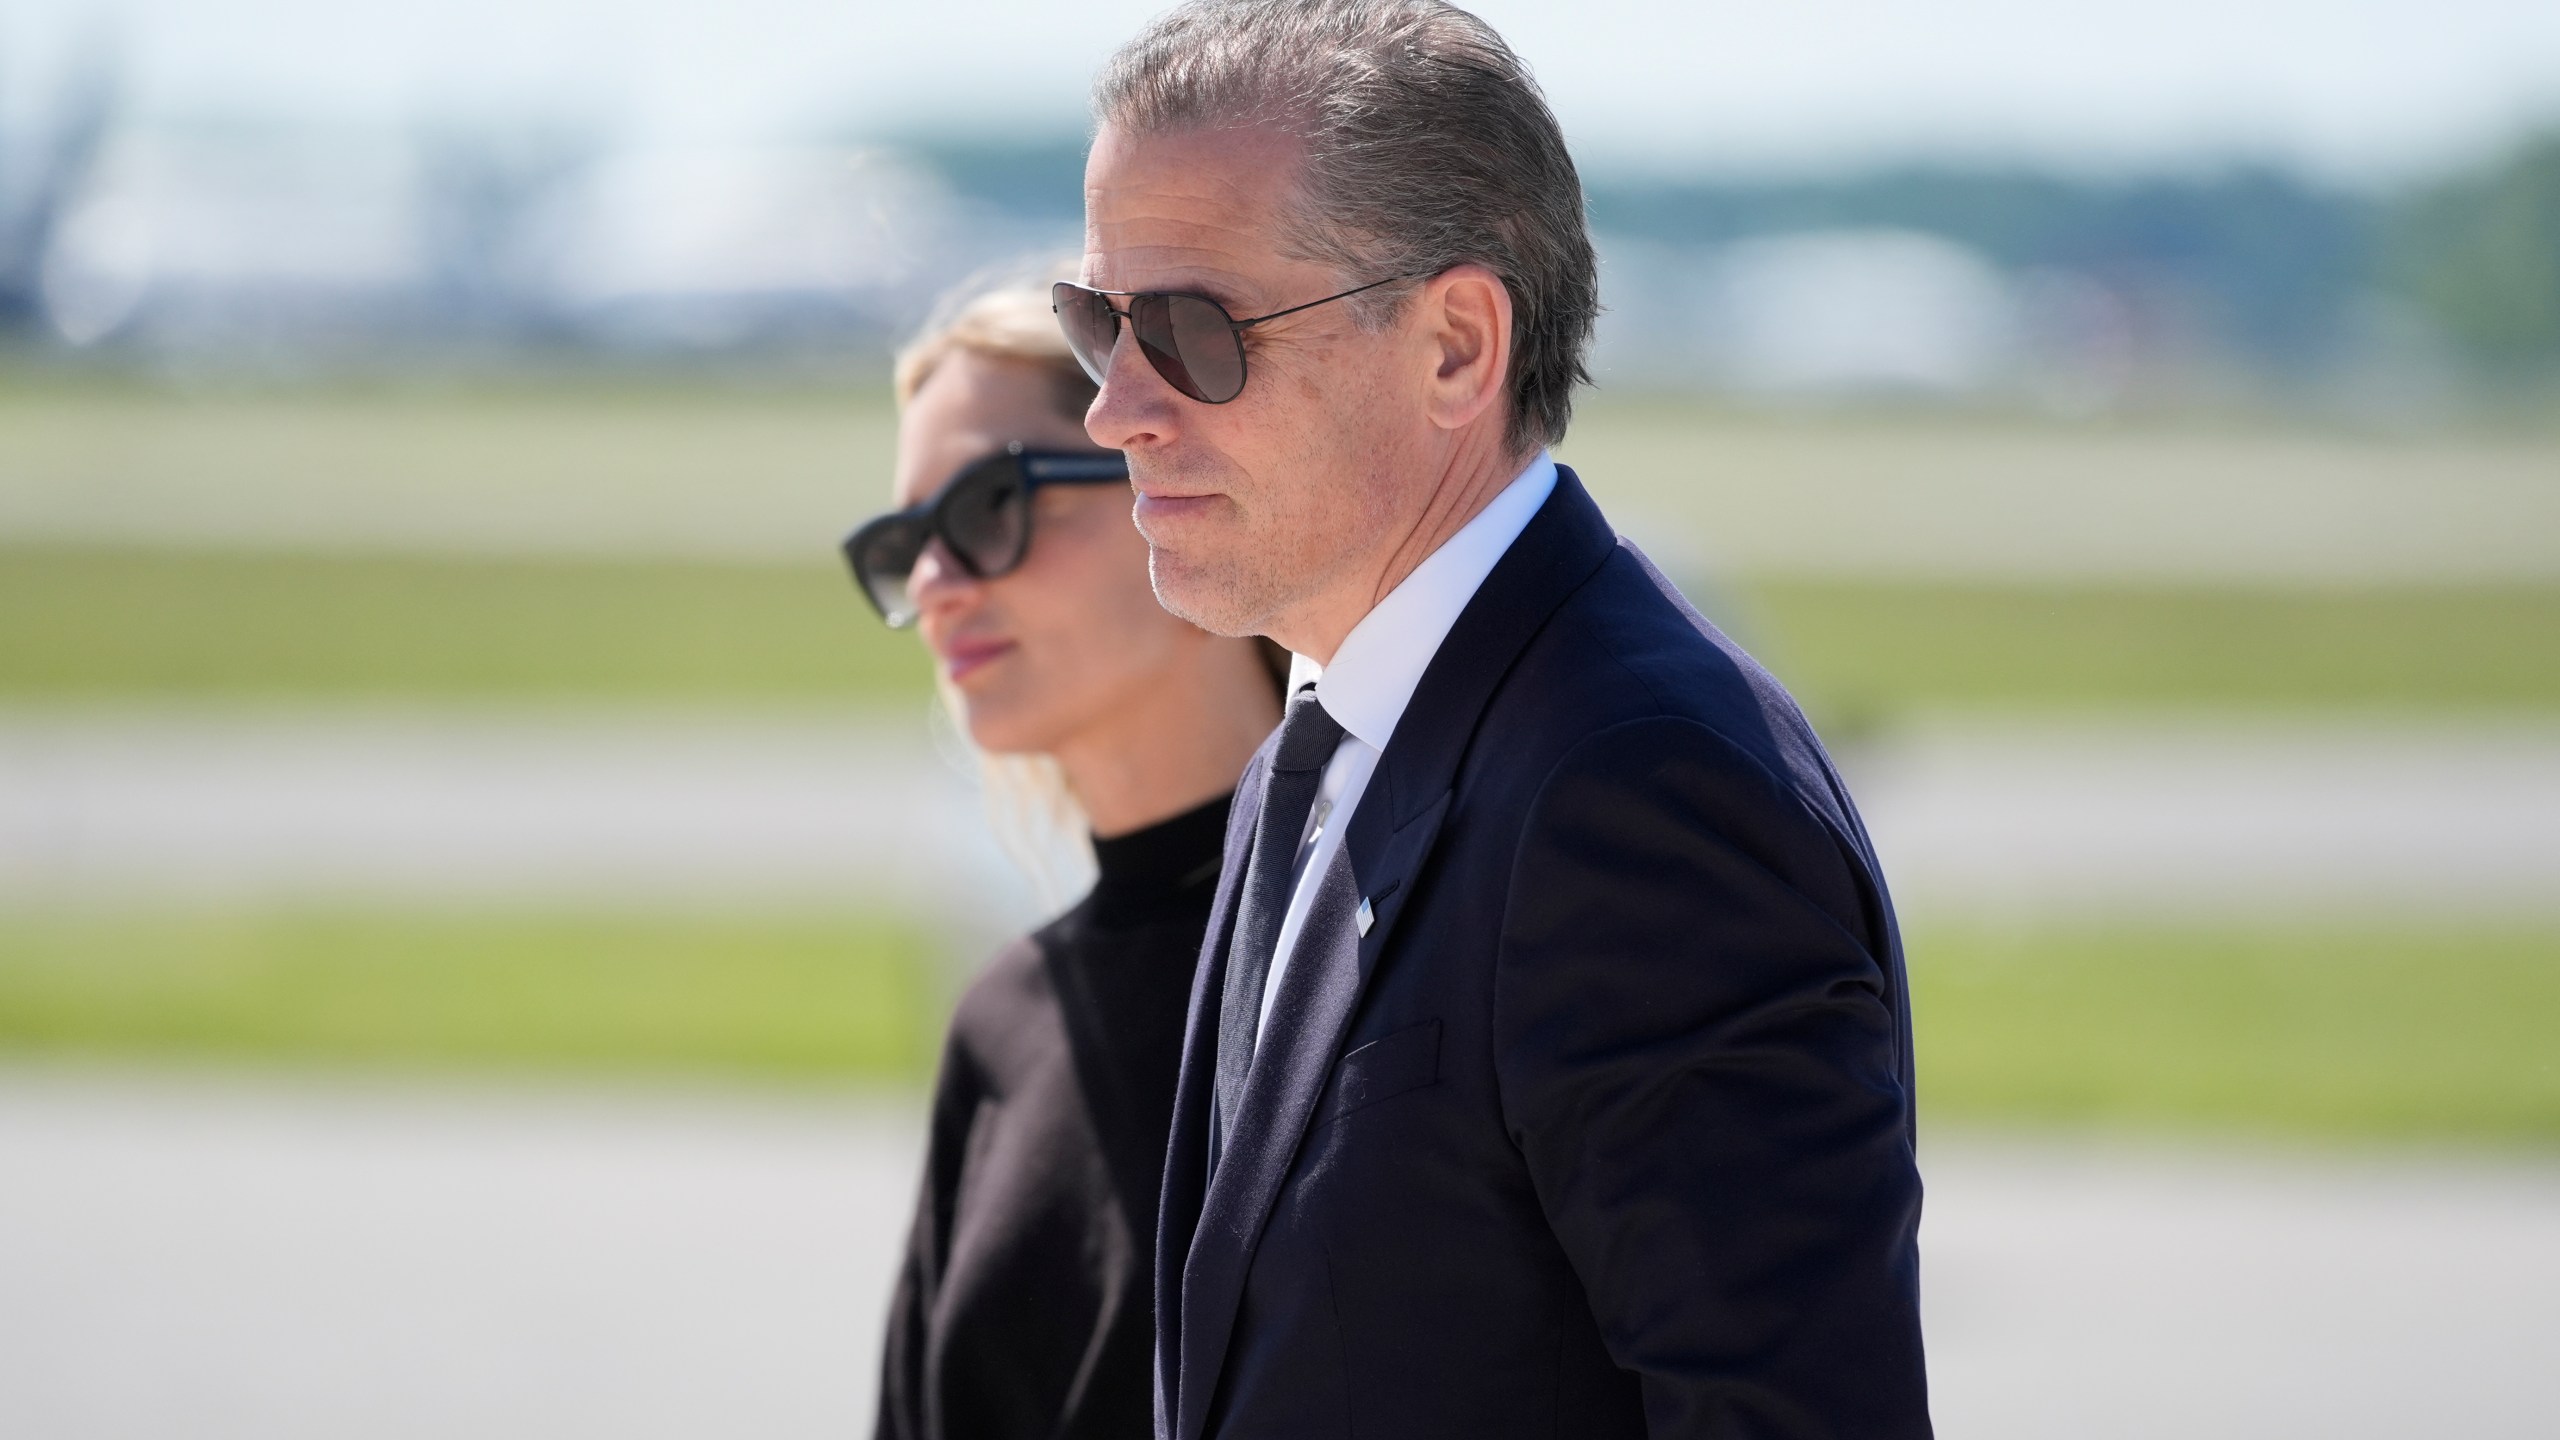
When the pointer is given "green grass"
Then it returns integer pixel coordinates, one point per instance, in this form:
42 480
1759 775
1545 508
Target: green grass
148 624
2401 1031
1856 648
2397 1031
800 997
145 624
286 482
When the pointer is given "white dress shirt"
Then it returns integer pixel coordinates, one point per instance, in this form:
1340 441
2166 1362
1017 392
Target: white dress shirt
1374 671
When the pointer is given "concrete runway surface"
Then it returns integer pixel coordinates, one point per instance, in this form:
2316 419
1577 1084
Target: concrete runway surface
208 1256
231 1256
637 809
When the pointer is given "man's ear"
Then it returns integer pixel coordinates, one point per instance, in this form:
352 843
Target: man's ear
1465 317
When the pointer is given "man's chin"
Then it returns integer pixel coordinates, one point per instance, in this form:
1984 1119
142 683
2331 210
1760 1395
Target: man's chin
1204 594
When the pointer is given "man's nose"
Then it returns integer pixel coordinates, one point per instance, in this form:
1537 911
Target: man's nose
1134 405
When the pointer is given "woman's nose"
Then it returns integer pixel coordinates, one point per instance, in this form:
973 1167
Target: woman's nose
939 579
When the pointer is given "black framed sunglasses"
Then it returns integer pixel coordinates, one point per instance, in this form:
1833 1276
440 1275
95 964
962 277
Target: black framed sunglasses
983 516
1191 340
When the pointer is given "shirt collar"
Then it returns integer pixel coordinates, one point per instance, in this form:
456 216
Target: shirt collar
1379 663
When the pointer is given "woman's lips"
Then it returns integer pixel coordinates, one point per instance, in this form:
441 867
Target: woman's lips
961 658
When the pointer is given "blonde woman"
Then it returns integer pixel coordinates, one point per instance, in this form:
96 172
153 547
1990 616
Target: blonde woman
1024 1304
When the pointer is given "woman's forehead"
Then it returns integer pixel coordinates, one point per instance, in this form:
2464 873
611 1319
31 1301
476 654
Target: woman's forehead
971 406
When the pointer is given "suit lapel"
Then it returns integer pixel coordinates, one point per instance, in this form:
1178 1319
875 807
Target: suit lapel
1317 996
1202 1267
1186 1169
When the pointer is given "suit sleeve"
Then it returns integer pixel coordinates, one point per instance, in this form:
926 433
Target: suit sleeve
1699 1056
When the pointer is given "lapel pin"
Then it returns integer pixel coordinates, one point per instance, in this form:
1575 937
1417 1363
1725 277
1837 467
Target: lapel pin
1367 916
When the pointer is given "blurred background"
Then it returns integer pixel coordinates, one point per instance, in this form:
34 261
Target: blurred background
479 894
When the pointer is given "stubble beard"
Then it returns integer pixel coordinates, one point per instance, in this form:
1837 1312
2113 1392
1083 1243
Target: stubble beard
1235 599
1229 580
1248 576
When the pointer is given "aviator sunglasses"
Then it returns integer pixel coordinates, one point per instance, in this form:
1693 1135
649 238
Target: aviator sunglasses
983 516
1191 340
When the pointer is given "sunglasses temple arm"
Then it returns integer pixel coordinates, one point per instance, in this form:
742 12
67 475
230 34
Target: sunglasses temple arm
1329 299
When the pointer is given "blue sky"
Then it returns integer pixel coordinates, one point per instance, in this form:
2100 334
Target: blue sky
2363 89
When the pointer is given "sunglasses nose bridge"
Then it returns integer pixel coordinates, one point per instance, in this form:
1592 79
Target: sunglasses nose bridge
941 561
939 578
1084 314
1126 350
1133 399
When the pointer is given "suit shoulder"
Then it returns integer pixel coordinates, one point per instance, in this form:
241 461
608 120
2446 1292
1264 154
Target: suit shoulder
1628 646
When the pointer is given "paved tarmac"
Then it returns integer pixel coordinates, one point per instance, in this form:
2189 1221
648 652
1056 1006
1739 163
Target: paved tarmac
214 1257
229 1256
851 809
1818 492
621 805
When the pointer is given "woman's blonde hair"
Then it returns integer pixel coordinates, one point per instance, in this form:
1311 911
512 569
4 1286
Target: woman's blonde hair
1005 313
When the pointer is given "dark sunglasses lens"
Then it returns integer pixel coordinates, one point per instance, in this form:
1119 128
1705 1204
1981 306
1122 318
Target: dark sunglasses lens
883 554
1090 324
986 517
1189 342
1212 354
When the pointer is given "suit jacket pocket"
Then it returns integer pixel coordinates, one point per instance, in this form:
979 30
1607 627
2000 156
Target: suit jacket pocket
1382 1069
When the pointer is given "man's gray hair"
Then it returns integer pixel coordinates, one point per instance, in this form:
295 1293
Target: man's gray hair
1428 145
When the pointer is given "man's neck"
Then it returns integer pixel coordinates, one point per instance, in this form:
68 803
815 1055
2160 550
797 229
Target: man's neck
1469 480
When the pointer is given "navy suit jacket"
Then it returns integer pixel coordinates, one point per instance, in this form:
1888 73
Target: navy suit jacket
1599 1122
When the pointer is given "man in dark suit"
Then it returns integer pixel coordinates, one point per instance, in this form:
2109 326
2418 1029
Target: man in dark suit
1548 1069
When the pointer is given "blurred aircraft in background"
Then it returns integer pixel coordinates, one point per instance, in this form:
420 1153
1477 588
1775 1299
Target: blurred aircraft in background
239 242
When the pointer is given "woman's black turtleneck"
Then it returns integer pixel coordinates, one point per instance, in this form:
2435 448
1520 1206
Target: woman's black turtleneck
1025 1304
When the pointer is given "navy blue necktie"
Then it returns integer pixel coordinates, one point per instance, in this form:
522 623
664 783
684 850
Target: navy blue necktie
1308 737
